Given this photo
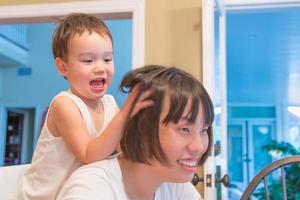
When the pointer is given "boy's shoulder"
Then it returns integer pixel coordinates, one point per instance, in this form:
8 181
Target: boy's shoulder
108 99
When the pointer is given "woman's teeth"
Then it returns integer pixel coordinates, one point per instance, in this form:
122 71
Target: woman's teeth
188 163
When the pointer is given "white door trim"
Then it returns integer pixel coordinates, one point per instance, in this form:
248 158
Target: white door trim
208 82
134 9
208 57
223 103
260 4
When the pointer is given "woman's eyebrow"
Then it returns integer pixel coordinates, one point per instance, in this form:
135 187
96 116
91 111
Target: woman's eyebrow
184 120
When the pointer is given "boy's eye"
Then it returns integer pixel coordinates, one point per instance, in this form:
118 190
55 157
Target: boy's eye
108 60
87 60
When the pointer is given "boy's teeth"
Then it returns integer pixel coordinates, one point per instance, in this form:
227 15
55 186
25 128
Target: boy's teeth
97 82
188 163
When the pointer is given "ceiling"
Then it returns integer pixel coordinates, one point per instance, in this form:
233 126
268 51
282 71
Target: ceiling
263 56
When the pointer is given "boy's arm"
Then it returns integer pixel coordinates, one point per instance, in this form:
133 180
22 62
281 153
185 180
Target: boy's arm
65 119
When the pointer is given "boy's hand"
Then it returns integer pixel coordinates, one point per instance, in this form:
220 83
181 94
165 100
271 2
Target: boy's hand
137 100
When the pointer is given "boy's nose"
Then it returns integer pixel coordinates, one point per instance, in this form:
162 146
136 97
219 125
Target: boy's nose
98 68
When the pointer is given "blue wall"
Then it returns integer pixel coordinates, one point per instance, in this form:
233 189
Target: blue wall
122 36
44 82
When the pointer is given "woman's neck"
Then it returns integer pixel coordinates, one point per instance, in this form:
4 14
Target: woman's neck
139 180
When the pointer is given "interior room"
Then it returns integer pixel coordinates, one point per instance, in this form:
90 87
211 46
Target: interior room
251 69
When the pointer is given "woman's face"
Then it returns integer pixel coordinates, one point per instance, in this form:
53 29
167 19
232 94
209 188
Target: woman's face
184 144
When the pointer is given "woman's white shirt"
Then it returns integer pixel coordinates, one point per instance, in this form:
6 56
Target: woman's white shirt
103 180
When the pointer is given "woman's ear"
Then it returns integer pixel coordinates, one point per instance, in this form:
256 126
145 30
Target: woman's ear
61 67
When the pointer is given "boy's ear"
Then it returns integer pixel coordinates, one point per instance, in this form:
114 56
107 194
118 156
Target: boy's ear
61 66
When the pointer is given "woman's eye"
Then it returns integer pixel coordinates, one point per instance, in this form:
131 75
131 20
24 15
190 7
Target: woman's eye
204 131
185 130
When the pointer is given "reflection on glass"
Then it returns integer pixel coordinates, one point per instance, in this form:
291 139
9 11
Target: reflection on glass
294 125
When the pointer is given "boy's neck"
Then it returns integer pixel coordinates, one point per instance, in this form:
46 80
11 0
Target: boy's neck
96 111
93 104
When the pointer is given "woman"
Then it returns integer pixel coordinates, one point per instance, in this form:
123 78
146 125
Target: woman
162 145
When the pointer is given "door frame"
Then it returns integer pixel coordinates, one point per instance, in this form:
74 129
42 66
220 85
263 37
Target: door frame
208 77
208 70
107 9
259 4
3 129
208 66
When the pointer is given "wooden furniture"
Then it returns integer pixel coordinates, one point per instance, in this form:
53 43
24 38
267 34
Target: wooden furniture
261 177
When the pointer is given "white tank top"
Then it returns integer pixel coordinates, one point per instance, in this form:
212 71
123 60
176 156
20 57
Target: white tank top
52 162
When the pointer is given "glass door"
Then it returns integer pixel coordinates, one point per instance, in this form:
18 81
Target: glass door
237 157
261 134
246 156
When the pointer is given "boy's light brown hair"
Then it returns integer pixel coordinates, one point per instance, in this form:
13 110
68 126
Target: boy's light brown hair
75 23
140 142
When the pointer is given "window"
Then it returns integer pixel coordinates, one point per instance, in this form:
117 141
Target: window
294 125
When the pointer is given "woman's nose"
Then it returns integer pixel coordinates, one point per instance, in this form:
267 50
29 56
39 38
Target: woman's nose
197 145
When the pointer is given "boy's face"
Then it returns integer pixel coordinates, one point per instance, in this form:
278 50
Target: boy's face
183 143
89 67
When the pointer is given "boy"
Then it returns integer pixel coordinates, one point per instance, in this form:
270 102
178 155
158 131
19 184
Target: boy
83 124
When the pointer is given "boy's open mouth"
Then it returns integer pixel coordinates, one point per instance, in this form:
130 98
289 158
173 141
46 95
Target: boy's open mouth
97 82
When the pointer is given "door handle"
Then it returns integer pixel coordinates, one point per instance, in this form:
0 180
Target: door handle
196 179
225 180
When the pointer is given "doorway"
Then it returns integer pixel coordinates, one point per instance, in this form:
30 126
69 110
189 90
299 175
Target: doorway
262 77
19 135
246 139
